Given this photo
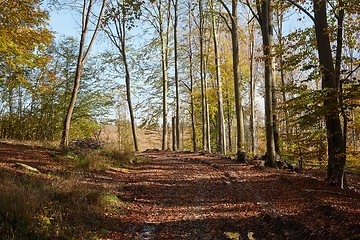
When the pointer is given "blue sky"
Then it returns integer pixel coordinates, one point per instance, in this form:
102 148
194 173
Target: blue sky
64 23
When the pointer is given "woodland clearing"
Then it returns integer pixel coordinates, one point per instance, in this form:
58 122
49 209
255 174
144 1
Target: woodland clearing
184 195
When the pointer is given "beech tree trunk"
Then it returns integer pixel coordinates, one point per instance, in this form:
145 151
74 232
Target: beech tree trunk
207 113
164 40
336 154
128 98
235 56
83 54
253 146
191 73
222 137
173 131
238 99
118 37
280 17
202 80
264 9
177 97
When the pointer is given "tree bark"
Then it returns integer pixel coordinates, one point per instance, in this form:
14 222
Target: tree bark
336 155
238 99
164 66
222 137
229 115
202 80
118 38
253 147
235 55
128 98
280 16
191 73
173 131
86 14
266 24
207 111
177 97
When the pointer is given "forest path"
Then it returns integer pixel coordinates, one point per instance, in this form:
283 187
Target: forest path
182 195
192 196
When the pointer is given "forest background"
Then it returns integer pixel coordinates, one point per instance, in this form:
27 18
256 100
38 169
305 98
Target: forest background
197 71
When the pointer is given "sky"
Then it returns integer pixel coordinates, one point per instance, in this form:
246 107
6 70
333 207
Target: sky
64 23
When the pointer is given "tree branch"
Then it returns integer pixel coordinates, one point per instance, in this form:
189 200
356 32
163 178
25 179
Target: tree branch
96 29
225 20
252 11
302 9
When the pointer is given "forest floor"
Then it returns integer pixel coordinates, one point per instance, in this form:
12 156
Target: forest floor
183 195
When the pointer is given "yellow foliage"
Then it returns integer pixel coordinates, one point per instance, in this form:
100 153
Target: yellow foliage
23 34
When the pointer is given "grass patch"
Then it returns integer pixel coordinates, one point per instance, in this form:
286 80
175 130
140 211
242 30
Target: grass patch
33 208
98 159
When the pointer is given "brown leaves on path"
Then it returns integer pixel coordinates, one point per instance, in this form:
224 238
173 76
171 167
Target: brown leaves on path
191 196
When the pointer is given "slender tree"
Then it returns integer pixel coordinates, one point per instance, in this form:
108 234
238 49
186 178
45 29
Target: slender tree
177 97
279 22
202 80
221 121
159 18
87 13
118 20
233 27
253 147
191 74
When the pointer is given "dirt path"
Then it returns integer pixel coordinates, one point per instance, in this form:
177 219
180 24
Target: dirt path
190 196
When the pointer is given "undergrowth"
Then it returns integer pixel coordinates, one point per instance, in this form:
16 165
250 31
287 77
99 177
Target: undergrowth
60 206
97 159
34 208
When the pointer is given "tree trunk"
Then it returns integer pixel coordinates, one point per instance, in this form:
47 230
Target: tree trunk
177 97
238 100
67 120
86 14
336 156
173 131
164 66
280 16
118 38
253 147
229 122
273 95
222 137
338 58
78 73
165 112
191 73
128 98
207 113
265 18
202 80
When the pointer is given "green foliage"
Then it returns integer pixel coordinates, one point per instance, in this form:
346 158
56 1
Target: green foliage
124 11
35 109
